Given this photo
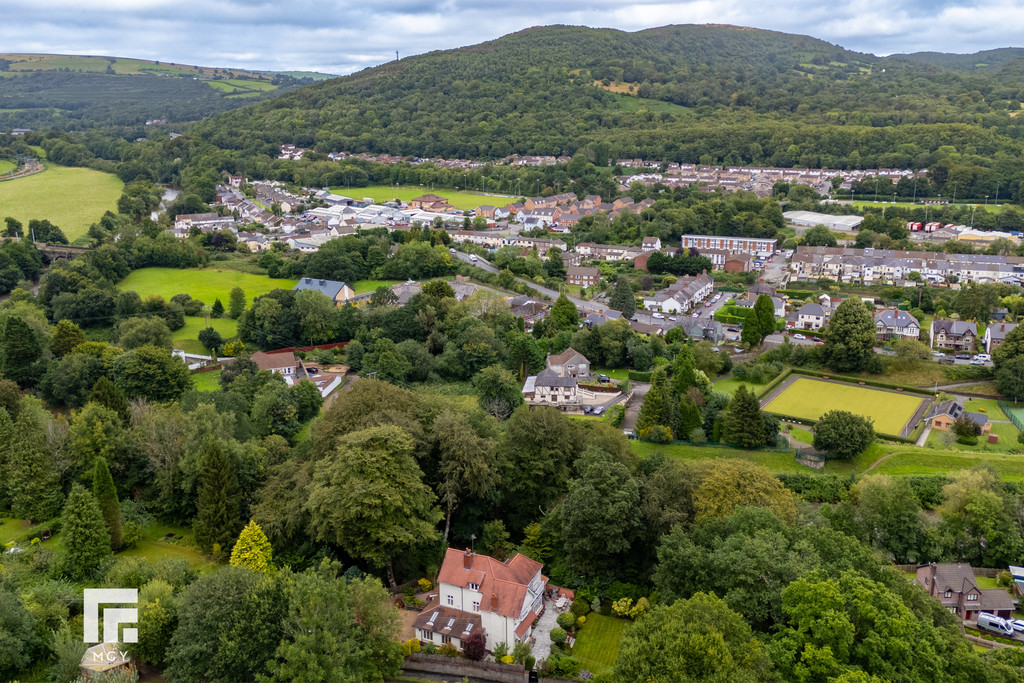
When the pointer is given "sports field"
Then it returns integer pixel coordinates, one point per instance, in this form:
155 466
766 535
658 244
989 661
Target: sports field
811 398
70 198
458 199
205 284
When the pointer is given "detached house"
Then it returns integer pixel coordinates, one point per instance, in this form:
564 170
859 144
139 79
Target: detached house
995 335
338 292
941 416
569 363
811 317
548 388
955 587
478 593
954 334
283 364
896 324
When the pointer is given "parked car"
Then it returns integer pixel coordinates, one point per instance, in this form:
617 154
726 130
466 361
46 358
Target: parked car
696 314
672 318
628 433
598 410
799 336
587 410
452 250
938 354
472 257
737 350
659 316
731 329
1017 624
977 361
603 378
982 357
994 624
945 360
963 356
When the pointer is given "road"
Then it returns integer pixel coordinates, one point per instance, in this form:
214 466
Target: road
591 306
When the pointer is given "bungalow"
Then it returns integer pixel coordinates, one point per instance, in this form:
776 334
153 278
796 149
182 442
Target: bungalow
954 334
581 276
941 416
955 587
338 292
995 335
893 323
284 364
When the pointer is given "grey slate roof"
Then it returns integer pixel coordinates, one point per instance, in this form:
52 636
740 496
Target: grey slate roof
895 318
956 328
328 287
550 378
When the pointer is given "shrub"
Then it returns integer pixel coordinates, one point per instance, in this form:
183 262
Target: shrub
529 662
425 585
430 648
560 665
448 650
521 652
616 414
697 435
500 650
558 635
638 376
566 620
642 607
506 659
657 434
1004 579
595 605
582 620
967 440
580 607
622 606
414 644
474 646
131 534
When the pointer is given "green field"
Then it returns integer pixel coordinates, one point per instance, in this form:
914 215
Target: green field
811 398
1007 440
70 198
597 643
206 381
731 384
6 166
362 286
861 204
616 374
187 338
460 200
205 284
773 460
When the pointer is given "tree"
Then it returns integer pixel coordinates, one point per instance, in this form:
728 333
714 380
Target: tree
850 341
725 485
744 424
1010 377
888 511
131 333
499 393
217 310
601 515
152 373
19 351
252 550
83 534
32 479
19 642
368 497
383 296
819 236
13 227
217 499
563 316
655 410
158 619
106 497
229 626
842 435
751 334
466 462
236 303
683 372
210 339
318 316
700 639
104 393
66 336
1012 347
765 309
622 298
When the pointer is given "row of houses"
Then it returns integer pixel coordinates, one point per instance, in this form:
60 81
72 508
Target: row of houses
683 294
875 266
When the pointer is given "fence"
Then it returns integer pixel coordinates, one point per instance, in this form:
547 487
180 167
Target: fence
1008 410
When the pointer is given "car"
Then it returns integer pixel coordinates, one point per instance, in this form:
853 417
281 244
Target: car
731 329
696 314
707 305
1017 624
598 410
737 350
672 318
628 433
982 356
452 249
977 361
659 316
938 354
603 378
472 258
587 410
799 336
963 356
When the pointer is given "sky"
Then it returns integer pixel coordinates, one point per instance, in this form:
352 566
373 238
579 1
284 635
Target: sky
342 37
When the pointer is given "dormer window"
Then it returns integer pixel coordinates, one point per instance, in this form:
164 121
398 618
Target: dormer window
474 586
949 593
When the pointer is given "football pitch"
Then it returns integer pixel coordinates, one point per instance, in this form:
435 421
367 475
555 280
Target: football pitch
811 398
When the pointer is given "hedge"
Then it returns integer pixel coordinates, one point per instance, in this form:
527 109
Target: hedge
638 376
816 488
867 382
795 293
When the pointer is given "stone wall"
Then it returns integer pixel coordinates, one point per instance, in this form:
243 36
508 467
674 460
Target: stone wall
458 668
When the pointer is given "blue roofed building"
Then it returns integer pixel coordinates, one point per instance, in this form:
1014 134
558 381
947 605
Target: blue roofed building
338 292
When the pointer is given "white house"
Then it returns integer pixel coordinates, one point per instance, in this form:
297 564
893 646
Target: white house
995 335
476 592
651 244
896 324
811 317
548 388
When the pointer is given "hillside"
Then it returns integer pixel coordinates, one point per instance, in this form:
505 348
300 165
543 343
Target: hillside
750 96
71 92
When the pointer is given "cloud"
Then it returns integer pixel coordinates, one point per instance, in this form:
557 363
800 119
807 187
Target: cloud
345 36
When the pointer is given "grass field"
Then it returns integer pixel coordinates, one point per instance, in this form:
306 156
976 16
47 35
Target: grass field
6 166
70 198
205 284
812 398
361 286
187 338
206 381
597 643
860 204
458 199
731 384
618 374
775 461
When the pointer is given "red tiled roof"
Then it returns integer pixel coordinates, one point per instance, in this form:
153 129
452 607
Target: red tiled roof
503 583
525 625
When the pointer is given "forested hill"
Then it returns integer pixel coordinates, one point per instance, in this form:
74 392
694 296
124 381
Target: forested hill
686 93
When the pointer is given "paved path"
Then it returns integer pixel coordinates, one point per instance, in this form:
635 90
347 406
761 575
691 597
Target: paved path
921 439
633 407
542 634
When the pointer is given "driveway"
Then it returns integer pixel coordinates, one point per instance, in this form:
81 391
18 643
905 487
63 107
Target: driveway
640 390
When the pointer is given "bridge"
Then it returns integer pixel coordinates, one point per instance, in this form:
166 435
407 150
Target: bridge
56 251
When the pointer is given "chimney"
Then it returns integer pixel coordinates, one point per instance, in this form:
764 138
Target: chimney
467 559
933 568
494 602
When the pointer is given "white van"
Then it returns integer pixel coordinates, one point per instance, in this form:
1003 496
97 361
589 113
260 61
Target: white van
994 624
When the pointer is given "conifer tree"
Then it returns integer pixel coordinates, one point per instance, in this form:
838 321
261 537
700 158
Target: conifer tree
683 372
6 437
106 496
743 423
655 409
622 298
83 534
66 336
217 501
765 310
19 351
688 418
236 303
217 311
105 393
252 550
33 483
751 333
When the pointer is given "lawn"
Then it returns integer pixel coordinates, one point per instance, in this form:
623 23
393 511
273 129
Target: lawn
156 546
773 460
992 207
227 327
801 435
457 198
618 374
812 398
205 284
362 286
597 643
6 166
206 381
986 406
986 388
927 461
70 198
731 384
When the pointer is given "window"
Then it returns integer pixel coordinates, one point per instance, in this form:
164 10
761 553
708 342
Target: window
451 600
949 593
426 635
445 640
474 586
972 597
476 605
